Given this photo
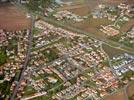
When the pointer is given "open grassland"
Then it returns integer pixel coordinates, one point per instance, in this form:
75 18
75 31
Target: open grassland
92 26
111 51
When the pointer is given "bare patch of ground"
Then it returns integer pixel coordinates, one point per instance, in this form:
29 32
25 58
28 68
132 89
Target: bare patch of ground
116 96
130 90
120 95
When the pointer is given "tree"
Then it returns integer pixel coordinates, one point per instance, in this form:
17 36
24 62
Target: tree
39 5
2 57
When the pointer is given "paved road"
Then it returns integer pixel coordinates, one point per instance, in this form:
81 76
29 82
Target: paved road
21 76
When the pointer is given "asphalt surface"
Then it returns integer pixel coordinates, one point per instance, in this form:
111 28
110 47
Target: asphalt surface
21 76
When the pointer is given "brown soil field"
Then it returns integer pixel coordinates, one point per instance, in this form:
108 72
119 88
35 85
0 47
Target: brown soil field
130 90
12 18
82 11
127 25
79 9
120 95
116 96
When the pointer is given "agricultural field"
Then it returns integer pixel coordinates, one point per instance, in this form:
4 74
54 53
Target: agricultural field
130 90
12 18
120 95
127 25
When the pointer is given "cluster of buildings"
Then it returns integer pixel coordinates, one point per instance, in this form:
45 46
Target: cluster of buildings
77 91
112 12
105 81
123 11
2 37
60 15
104 11
15 53
88 94
48 28
14 47
66 70
71 91
129 36
118 15
122 64
126 9
76 53
109 30
80 59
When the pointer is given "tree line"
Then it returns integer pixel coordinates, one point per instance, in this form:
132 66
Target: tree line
39 5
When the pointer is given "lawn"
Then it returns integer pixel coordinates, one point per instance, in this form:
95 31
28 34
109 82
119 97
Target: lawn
3 57
5 89
67 43
29 90
43 98
51 54
36 78
36 31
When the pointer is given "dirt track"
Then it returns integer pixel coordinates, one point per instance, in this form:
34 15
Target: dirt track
12 18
